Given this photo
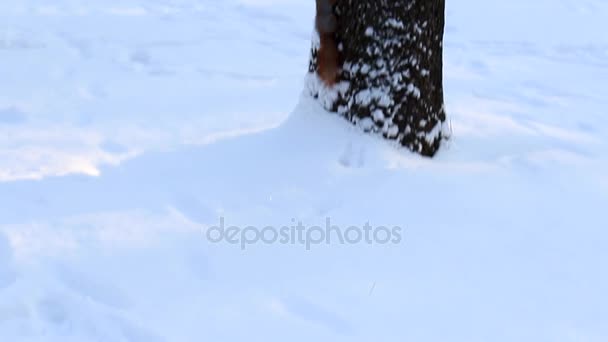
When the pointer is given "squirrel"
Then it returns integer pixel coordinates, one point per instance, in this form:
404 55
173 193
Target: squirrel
328 56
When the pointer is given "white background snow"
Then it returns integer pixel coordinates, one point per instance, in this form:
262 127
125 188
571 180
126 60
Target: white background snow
128 127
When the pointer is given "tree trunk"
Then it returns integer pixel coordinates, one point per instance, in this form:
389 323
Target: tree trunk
390 80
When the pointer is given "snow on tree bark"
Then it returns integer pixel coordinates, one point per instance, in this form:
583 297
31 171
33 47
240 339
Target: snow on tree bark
391 79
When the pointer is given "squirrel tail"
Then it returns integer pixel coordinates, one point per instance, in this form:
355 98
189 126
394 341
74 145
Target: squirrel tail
328 59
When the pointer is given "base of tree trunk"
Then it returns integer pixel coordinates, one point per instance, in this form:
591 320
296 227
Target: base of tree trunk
391 81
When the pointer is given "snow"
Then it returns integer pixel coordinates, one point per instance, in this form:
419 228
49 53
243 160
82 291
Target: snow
128 128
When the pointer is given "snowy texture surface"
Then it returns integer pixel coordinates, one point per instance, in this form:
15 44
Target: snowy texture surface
128 127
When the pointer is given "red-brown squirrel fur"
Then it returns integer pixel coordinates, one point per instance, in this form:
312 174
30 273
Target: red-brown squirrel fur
328 56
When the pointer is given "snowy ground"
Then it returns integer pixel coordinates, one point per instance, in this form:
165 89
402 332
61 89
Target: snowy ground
128 127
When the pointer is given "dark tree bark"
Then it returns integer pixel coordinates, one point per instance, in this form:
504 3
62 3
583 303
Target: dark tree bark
390 80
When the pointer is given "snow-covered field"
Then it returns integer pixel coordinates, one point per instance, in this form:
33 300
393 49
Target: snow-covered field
129 127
